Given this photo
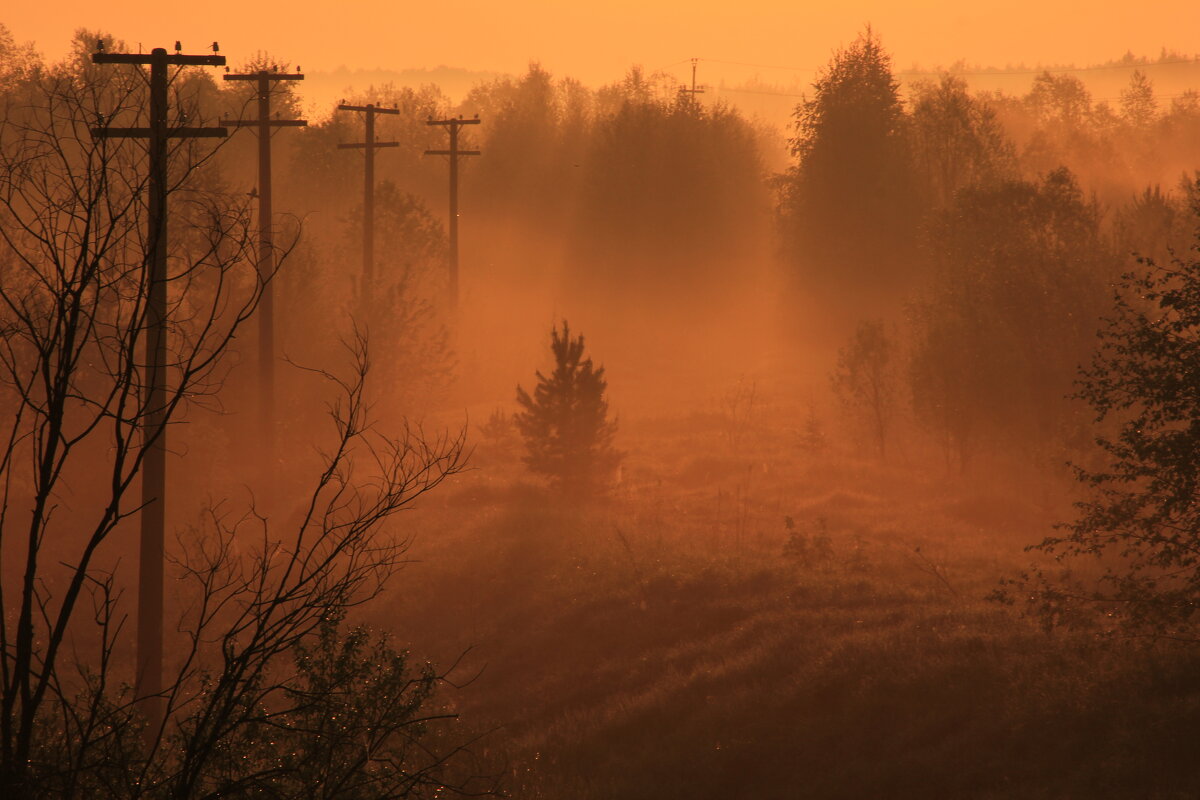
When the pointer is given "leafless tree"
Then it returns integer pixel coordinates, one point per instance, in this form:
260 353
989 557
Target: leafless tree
266 694
865 379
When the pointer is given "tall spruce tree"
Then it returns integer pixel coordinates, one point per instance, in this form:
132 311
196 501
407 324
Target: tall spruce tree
565 422
848 208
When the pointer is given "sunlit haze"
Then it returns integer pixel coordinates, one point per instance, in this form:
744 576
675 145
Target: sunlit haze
598 42
785 400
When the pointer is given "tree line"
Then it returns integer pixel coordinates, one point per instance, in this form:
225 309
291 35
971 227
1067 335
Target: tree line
966 243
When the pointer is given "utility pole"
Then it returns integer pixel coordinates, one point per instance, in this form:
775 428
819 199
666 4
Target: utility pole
368 145
148 679
695 90
266 251
453 125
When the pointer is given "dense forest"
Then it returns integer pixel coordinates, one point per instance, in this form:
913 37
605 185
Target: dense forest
852 459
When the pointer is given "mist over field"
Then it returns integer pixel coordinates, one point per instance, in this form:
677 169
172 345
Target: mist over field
393 432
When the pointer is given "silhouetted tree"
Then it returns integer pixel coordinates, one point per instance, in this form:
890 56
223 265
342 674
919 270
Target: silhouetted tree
525 176
669 200
1071 131
957 140
322 178
1009 311
565 422
1060 98
407 313
866 379
1151 224
263 694
17 61
1143 516
1138 106
847 208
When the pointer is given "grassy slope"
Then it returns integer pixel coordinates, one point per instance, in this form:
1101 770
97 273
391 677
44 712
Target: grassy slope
665 644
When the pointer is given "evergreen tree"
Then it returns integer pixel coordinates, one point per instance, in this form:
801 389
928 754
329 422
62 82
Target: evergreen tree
565 422
848 208
1138 106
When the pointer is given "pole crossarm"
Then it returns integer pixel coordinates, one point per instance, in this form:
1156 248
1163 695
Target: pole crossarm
253 76
174 59
368 146
452 125
159 56
369 109
454 121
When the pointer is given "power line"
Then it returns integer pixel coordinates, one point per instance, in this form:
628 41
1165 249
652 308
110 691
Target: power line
724 89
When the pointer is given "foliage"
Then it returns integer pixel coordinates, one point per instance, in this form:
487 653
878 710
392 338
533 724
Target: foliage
565 422
957 140
1152 224
669 197
498 427
1008 313
1138 106
530 151
1062 99
407 306
847 208
79 426
866 378
1143 519
354 720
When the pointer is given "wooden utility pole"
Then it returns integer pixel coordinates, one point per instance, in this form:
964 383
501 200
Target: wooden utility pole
148 686
368 145
266 245
453 125
695 90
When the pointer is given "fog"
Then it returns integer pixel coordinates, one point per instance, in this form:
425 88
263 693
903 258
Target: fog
822 439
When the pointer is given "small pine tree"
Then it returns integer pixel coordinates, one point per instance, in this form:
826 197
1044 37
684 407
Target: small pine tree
565 422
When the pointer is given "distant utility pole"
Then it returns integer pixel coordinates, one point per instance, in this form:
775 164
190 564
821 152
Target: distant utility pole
266 245
148 681
368 144
454 153
695 90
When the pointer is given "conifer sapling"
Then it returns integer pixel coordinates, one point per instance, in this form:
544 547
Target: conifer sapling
565 422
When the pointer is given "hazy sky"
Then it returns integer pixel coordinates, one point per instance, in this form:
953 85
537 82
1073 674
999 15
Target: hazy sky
598 41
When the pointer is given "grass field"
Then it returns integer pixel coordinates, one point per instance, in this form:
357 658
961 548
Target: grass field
747 616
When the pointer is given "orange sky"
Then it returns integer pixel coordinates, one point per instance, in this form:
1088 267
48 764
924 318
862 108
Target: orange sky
597 42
